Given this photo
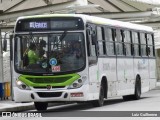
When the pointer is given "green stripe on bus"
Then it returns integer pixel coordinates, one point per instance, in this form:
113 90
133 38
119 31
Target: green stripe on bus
40 81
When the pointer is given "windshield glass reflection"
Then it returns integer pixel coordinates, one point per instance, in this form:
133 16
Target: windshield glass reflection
49 53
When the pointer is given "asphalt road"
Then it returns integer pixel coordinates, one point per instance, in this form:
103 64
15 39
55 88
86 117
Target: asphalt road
125 110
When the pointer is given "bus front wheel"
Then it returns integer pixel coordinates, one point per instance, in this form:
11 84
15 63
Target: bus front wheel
100 101
40 106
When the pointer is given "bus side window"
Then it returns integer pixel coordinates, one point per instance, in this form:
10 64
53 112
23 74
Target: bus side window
143 44
127 43
150 45
135 40
92 46
119 43
88 43
109 41
101 41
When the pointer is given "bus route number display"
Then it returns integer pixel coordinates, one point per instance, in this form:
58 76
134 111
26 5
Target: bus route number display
30 25
38 25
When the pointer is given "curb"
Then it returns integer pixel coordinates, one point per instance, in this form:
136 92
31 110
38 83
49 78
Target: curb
20 108
17 108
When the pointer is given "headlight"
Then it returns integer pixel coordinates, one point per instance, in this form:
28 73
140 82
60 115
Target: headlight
78 83
22 85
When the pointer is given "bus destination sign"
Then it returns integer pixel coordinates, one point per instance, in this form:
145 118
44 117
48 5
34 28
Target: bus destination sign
29 25
37 25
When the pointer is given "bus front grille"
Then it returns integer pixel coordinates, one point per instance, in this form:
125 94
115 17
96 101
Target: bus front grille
53 87
49 80
49 94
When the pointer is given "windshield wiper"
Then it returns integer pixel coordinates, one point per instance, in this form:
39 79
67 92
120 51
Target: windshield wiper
63 36
31 37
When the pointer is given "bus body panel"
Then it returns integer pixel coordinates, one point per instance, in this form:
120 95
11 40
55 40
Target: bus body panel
152 73
152 70
125 75
107 68
88 90
94 81
25 95
141 69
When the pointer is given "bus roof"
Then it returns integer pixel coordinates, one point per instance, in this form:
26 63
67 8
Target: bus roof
96 20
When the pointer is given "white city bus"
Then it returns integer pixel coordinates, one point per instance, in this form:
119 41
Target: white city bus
82 59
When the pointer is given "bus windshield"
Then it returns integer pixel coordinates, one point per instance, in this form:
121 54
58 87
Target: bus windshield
49 53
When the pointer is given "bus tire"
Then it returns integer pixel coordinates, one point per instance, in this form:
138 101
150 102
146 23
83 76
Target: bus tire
100 101
137 93
127 97
40 106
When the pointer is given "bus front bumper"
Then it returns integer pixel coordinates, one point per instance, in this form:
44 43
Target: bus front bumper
79 94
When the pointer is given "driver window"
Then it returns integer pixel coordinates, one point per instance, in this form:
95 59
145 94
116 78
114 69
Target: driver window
91 45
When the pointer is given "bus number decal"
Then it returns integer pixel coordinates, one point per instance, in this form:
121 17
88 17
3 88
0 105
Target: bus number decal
38 25
56 68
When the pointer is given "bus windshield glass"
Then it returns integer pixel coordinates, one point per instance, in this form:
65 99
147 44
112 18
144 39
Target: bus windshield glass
49 53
